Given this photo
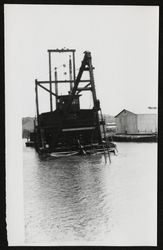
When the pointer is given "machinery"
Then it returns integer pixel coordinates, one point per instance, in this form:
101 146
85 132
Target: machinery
68 128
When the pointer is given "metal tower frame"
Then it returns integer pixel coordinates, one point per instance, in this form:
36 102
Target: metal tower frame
86 65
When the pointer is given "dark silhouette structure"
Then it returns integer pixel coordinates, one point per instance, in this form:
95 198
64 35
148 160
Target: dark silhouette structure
69 127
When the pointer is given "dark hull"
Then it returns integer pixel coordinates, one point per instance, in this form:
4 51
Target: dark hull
88 149
135 138
83 149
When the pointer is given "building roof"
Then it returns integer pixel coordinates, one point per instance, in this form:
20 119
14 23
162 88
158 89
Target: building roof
144 111
124 110
140 112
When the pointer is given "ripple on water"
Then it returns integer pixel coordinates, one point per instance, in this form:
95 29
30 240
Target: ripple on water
84 199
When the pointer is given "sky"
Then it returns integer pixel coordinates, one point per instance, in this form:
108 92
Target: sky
123 41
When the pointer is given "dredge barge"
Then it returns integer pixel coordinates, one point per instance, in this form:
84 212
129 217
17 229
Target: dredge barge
68 129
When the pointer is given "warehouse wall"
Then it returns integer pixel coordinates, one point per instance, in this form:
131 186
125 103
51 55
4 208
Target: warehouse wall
126 122
147 123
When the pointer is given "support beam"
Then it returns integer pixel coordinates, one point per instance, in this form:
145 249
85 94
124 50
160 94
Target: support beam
73 54
37 104
61 50
56 87
87 68
61 81
70 73
46 89
89 63
50 83
85 87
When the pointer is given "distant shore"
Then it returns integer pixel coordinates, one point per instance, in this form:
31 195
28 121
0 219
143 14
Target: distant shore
134 138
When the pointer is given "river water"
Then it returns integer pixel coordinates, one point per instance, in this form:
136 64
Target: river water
80 200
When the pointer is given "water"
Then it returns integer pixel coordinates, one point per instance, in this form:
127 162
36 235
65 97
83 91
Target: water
83 201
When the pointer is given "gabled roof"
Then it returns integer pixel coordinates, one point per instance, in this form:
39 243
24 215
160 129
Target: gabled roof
123 111
141 112
145 111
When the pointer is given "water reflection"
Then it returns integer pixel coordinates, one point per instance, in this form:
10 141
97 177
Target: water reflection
73 194
81 198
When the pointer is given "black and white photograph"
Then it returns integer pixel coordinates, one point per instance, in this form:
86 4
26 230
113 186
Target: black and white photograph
81 90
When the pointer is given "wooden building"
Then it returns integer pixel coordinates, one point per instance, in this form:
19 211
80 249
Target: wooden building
131 123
